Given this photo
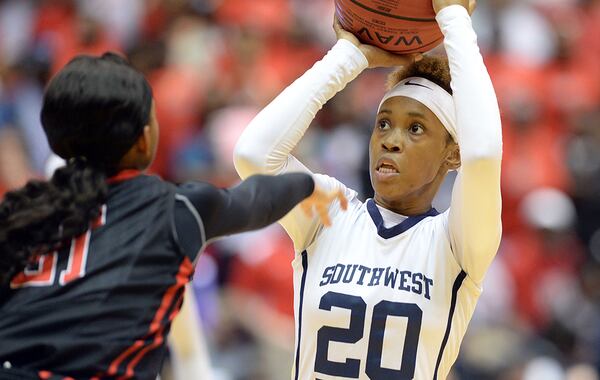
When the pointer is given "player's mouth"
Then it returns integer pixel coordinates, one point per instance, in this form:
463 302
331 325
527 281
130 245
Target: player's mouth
386 169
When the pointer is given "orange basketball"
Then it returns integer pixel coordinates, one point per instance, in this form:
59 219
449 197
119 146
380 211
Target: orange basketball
399 26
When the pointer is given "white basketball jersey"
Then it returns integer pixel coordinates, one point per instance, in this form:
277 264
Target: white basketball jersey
380 303
387 303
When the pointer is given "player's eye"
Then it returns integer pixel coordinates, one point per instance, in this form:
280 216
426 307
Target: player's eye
416 129
383 124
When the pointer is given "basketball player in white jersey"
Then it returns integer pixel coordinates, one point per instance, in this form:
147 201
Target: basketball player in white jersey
387 292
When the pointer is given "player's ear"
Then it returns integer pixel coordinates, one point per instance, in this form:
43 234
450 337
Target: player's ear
144 143
452 159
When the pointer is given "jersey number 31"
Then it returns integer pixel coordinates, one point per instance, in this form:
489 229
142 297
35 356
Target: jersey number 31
43 271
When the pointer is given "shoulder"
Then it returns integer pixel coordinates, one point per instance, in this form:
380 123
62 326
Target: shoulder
140 189
197 192
354 221
438 225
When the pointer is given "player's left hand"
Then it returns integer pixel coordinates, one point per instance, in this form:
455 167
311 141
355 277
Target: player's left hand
470 5
319 202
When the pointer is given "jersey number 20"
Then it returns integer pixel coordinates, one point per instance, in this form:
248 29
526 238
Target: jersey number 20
355 331
43 271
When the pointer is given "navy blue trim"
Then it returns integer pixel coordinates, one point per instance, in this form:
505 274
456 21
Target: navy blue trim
302 283
404 226
457 284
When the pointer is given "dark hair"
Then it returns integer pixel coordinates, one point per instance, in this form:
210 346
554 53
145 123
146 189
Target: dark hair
96 107
93 112
435 69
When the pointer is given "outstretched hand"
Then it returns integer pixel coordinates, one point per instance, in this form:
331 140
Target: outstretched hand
470 5
319 202
375 56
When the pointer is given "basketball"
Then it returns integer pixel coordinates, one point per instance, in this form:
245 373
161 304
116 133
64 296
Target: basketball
398 26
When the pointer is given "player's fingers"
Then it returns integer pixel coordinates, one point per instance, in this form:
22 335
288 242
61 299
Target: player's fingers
336 23
472 6
324 215
340 32
392 59
405 59
343 200
338 29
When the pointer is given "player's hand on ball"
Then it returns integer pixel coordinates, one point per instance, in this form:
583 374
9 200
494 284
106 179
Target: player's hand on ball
470 5
319 202
375 56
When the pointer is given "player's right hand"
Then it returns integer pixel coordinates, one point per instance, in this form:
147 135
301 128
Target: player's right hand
319 202
375 56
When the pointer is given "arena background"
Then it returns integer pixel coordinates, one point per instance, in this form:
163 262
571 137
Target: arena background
214 63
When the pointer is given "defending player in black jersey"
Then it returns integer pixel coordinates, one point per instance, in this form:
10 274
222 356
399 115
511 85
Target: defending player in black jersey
94 261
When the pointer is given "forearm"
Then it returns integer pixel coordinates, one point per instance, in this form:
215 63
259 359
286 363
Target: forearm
475 213
265 145
478 117
255 203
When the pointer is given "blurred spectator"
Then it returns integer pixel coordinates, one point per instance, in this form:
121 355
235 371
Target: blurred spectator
214 63
14 166
583 160
121 19
501 25
544 255
16 23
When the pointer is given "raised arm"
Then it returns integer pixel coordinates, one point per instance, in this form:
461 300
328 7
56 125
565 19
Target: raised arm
475 225
266 144
204 212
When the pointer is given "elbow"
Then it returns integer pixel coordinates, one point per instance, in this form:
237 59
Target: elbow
481 139
246 160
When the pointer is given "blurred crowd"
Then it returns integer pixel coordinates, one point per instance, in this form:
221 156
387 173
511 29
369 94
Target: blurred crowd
214 63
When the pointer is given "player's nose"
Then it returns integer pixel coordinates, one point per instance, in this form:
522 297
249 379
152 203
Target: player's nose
393 142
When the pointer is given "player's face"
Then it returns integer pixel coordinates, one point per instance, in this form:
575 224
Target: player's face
407 155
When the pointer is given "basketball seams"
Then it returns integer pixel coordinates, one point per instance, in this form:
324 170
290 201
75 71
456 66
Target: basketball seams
405 29
405 18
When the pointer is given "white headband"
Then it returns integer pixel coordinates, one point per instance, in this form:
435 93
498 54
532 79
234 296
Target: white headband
432 96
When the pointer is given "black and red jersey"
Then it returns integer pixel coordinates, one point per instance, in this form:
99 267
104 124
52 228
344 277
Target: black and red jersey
102 306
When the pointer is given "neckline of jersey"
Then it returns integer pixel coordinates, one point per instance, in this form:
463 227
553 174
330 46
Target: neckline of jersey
399 228
124 175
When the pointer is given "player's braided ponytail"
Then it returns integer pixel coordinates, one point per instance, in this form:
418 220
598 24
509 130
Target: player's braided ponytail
39 217
95 107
